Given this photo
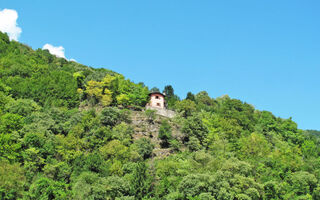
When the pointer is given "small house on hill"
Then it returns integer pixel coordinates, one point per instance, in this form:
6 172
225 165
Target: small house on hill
157 102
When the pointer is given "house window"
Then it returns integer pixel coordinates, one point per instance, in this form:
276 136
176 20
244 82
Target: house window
157 97
158 104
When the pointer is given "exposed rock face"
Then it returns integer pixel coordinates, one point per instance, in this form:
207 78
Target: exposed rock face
162 111
143 127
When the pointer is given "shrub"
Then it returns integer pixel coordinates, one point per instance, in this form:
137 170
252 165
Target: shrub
144 147
165 133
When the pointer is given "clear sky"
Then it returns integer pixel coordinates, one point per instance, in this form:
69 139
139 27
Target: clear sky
265 52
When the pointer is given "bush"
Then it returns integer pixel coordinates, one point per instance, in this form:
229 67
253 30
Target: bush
165 133
194 144
151 115
45 188
144 147
12 180
175 144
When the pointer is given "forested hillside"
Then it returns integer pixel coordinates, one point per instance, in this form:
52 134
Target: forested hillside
68 131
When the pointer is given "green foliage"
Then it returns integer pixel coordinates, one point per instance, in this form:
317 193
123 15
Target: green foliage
22 107
45 188
150 114
154 89
66 133
116 154
194 128
170 98
220 129
169 91
243 113
165 133
271 189
302 183
227 183
112 116
193 144
9 148
9 144
203 98
10 122
79 78
127 93
123 100
254 146
140 181
4 42
144 147
98 93
12 180
186 107
190 96
309 148
175 144
123 132
89 185
60 171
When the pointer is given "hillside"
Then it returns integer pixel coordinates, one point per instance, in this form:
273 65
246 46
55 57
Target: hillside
68 131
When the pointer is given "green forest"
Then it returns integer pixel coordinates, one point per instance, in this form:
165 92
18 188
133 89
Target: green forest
69 131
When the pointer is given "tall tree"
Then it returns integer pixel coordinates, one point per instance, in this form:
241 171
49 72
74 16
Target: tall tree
190 96
168 90
154 89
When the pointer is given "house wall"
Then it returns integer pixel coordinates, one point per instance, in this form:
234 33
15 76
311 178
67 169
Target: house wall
156 102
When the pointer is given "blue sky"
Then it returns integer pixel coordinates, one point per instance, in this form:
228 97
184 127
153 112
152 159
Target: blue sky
266 53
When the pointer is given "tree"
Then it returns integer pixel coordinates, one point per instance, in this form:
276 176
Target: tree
4 42
309 148
194 127
45 188
271 189
10 122
22 107
203 98
117 187
12 180
123 100
165 133
123 132
137 94
89 185
140 181
151 115
193 144
115 150
79 78
170 97
190 96
110 116
154 89
254 146
186 107
302 183
9 148
144 147
193 185
168 90
97 91
243 113
63 137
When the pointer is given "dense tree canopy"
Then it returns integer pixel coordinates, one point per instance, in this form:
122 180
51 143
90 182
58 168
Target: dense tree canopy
68 131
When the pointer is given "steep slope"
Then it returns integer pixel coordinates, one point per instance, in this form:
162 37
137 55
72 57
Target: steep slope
68 131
